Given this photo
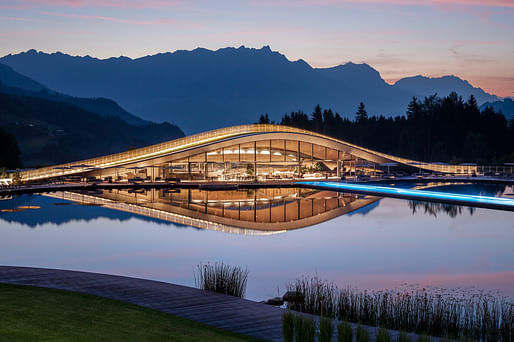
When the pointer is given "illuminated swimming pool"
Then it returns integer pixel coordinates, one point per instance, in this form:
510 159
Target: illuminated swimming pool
419 195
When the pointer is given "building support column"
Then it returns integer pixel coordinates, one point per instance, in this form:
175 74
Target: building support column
255 205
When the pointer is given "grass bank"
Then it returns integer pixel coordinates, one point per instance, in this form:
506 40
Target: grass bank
39 314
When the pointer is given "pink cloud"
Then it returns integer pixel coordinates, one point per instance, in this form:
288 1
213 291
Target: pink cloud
484 3
498 85
18 19
437 3
466 59
133 4
111 19
12 7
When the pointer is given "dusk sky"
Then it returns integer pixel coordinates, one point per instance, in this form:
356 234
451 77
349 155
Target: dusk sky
473 39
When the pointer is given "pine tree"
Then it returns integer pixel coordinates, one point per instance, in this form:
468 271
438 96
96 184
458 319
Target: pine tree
472 102
264 119
317 119
414 109
10 152
361 115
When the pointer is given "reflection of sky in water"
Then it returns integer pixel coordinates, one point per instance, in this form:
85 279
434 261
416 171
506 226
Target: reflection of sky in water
383 246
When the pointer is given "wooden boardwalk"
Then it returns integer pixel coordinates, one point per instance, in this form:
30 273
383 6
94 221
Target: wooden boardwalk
218 310
226 312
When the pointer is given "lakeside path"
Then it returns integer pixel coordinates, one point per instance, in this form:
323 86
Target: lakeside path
218 310
226 312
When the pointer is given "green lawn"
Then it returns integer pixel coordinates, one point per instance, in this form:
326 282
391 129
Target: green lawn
37 314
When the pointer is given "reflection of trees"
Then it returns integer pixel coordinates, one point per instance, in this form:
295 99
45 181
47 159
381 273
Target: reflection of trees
435 208
493 190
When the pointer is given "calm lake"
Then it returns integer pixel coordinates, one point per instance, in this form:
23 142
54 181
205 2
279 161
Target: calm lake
368 243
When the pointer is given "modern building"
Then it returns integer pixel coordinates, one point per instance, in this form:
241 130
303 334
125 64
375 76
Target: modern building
239 153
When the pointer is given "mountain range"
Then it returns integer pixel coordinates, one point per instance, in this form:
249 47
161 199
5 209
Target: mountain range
51 127
506 107
203 89
15 83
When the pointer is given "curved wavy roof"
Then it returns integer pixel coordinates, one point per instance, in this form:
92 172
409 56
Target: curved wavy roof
209 138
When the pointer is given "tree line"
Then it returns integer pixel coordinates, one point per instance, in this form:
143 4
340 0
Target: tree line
36 132
9 151
434 129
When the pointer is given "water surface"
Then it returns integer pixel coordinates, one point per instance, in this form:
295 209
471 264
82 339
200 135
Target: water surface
384 244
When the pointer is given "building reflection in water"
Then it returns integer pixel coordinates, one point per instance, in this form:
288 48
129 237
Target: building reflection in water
253 211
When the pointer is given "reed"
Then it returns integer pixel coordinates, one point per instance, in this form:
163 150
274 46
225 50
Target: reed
326 329
309 329
344 332
320 296
298 327
383 335
222 278
362 334
403 337
288 323
454 313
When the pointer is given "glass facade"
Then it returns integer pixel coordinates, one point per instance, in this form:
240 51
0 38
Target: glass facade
262 160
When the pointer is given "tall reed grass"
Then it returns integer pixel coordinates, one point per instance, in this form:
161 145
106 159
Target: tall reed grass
383 335
437 313
222 278
344 332
299 329
288 325
308 329
362 334
403 337
326 329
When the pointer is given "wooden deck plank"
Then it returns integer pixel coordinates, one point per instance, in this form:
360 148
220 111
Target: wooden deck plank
226 312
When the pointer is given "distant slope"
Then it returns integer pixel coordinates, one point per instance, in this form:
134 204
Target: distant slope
13 79
360 82
203 89
443 86
506 107
15 83
51 132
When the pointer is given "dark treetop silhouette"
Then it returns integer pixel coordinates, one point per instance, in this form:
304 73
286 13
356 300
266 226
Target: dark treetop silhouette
446 129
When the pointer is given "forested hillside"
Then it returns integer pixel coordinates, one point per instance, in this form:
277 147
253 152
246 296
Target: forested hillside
435 129
51 132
